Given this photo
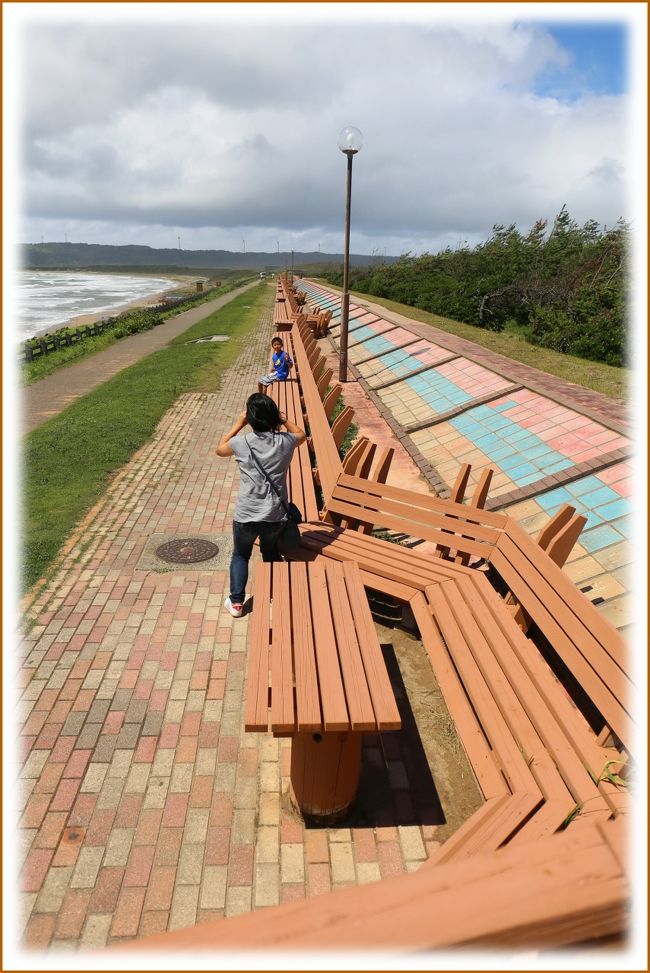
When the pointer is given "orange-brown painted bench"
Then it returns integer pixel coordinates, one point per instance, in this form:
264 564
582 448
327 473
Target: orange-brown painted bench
316 673
588 646
300 480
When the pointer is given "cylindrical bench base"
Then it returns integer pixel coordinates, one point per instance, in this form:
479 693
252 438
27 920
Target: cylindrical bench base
325 772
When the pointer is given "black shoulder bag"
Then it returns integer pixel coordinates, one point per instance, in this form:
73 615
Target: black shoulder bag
290 536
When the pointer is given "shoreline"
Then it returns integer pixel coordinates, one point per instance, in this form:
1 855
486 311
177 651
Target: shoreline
149 300
176 282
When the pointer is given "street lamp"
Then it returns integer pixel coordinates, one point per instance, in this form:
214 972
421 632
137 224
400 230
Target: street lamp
350 142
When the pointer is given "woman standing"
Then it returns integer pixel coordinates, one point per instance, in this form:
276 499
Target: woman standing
259 511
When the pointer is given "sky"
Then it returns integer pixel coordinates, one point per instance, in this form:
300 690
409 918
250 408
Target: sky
218 124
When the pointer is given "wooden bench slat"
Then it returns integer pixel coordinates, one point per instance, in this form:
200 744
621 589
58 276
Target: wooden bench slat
282 703
479 754
563 712
492 721
360 708
354 511
462 841
523 709
381 692
256 716
379 564
606 684
335 711
308 712
601 629
481 518
453 519
327 456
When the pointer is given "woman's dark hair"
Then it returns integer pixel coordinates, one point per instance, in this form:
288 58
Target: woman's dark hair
262 413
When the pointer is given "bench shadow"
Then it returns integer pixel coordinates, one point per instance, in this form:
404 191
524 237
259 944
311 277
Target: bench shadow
396 785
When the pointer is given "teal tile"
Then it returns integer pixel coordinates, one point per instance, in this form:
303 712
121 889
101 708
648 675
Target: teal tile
618 508
554 498
600 537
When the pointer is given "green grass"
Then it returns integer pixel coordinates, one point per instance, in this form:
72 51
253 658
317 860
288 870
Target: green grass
610 381
69 460
44 365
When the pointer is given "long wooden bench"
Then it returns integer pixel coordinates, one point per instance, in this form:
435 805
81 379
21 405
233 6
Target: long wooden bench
588 646
316 673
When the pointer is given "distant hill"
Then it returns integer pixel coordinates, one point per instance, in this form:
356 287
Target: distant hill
87 256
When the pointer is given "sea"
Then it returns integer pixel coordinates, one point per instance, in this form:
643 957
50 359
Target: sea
47 300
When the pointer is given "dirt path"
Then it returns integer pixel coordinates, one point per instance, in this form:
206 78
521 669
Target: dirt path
54 393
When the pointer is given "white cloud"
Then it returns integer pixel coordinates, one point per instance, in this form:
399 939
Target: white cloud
223 128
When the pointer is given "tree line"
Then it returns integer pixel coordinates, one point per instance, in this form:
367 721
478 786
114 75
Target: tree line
563 288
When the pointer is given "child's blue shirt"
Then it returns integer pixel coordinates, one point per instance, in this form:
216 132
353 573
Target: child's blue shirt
281 364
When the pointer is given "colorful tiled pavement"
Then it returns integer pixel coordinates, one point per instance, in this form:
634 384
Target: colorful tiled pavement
453 408
143 806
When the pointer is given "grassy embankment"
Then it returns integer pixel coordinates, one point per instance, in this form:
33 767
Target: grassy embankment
128 322
69 460
610 381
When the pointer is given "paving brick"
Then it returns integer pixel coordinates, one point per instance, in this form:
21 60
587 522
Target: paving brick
318 878
267 847
152 923
72 915
184 906
161 888
50 831
39 931
238 900
292 869
213 887
35 869
243 826
368 872
269 809
139 866
190 864
95 933
267 885
126 918
71 844
87 868
390 858
412 844
342 862
53 890
240 867
168 848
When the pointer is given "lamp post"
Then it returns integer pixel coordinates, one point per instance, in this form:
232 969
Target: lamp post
350 142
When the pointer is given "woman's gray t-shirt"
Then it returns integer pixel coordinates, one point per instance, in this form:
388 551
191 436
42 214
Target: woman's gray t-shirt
273 451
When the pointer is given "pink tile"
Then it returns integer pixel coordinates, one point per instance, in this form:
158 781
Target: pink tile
624 487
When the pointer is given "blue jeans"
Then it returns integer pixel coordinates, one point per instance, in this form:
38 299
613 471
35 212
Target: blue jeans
244 535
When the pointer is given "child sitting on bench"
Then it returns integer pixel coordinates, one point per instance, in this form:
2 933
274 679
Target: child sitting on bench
280 364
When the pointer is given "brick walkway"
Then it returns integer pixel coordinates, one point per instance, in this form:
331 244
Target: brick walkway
143 806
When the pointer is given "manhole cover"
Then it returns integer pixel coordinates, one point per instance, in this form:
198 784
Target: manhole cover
212 337
187 551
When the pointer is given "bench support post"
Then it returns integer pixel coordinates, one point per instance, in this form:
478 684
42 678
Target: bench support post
325 770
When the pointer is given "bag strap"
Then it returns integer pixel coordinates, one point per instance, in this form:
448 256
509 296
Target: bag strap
266 477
